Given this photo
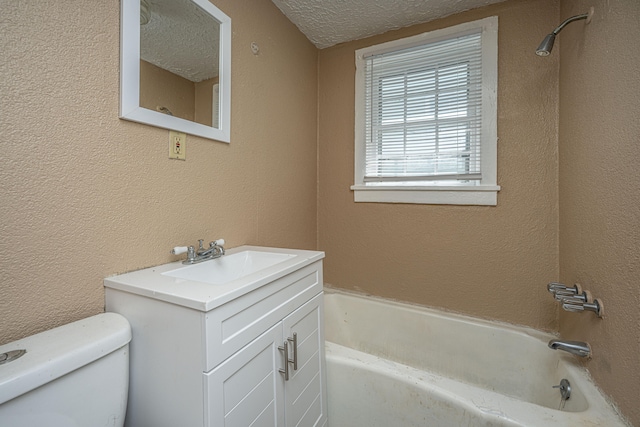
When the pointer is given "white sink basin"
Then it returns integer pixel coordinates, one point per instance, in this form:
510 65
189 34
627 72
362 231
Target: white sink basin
209 284
229 267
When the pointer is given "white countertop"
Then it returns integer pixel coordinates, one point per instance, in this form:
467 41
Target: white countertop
150 282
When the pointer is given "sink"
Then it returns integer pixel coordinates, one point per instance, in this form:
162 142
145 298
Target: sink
210 284
229 267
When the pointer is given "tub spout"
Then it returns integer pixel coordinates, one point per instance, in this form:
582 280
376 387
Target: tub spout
578 348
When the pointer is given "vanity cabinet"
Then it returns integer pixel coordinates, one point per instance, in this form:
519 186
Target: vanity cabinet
226 366
250 386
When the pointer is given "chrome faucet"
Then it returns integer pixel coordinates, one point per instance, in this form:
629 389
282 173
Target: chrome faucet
194 256
578 348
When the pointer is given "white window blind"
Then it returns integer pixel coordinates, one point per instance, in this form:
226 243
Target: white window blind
423 111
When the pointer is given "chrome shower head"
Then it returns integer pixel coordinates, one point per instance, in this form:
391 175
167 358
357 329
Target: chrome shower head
547 44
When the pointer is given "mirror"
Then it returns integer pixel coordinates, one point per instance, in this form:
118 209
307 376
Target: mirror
175 66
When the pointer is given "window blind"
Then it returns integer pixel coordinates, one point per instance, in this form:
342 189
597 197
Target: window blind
423 111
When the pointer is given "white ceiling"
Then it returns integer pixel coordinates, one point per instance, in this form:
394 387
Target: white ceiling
329 22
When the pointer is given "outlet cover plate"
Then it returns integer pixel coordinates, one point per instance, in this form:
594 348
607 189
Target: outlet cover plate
177 145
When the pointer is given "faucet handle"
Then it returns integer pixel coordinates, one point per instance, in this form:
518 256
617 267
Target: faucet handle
553 287
572 304
219 242
578 305
556 289
585 296
190 250
179 250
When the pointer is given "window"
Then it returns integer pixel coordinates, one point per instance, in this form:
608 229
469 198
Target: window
426 118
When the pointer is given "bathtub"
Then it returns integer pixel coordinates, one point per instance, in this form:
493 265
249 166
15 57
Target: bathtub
394 364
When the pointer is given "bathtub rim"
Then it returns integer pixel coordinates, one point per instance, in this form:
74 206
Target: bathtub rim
593 393
522 413
446 313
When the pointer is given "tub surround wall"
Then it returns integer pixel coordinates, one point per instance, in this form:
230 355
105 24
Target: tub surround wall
580 226
600 188
86 195
492 262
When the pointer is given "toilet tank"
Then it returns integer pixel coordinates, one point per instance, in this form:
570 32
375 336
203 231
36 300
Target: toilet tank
76 375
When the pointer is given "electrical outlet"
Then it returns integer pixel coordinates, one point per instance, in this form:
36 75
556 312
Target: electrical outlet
177 145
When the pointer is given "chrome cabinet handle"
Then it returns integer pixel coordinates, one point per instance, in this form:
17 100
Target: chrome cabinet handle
285 350
294 340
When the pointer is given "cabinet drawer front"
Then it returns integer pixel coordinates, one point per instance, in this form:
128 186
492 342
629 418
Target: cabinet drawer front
231 326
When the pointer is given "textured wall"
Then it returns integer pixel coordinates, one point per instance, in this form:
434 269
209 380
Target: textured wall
85 195
204 99
184 98
492 262
600 188
161 88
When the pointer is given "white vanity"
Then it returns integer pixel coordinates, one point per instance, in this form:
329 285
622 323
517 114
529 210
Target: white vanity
234 341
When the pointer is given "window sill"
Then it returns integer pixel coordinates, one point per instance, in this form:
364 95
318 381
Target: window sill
481 195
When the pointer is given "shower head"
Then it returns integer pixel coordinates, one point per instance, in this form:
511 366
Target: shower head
547 44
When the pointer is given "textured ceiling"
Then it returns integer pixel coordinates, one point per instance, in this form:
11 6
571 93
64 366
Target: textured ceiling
179 35
329 22
181 38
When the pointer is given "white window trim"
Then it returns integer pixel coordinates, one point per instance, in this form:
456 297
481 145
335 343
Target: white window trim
483 192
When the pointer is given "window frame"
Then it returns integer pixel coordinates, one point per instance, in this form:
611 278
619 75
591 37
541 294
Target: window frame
480 192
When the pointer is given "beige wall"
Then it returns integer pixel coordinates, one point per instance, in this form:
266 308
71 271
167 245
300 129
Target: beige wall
184 98
204 100
85 195
599 147
492 262
161 88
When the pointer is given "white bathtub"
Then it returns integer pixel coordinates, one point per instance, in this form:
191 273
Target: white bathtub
393 364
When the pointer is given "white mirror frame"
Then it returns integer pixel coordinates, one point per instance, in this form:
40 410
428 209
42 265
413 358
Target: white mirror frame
130 76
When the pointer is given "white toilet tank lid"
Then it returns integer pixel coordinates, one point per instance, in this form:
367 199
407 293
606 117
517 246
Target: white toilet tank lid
56 352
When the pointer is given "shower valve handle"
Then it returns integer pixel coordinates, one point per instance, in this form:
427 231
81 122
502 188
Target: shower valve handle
555 288
577 305
585 296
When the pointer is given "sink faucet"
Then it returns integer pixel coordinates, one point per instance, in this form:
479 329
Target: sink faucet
578 348
215 250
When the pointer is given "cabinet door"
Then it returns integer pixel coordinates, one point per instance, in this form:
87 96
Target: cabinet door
247 389
305 396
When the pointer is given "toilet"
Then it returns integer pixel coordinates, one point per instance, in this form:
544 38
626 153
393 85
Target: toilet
74 375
